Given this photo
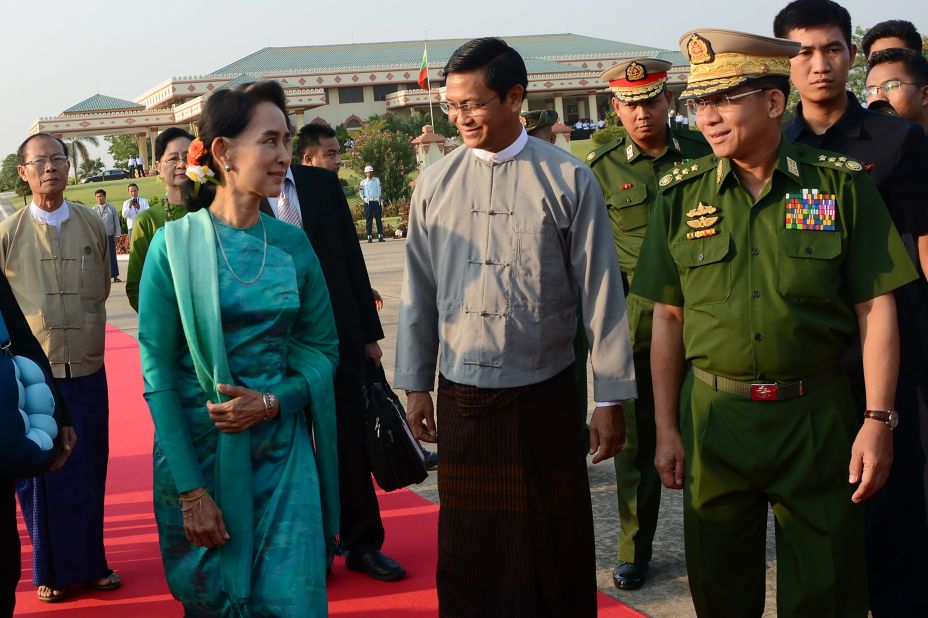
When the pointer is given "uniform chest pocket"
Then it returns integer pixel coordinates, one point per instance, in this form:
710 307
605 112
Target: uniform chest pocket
809 264
705 269
630 208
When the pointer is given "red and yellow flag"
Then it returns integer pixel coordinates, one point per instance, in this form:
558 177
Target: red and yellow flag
424 69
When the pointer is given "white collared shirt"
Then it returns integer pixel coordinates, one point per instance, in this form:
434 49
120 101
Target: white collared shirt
54 218
507 153
290 187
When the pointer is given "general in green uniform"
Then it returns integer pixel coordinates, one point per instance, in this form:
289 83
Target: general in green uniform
764 260
628 170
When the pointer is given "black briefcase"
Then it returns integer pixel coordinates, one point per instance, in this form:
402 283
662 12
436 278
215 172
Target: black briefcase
395 456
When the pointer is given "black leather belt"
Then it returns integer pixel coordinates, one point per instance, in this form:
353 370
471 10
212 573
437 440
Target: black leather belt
764 391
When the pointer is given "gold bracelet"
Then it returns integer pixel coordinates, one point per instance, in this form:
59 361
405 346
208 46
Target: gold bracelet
192 507
195 498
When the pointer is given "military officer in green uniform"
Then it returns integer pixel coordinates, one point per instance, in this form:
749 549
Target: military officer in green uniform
628 170
538 123
764 259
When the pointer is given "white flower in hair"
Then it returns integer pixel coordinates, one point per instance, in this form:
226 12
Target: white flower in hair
199 173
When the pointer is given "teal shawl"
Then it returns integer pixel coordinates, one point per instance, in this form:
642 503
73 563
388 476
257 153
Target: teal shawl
191 250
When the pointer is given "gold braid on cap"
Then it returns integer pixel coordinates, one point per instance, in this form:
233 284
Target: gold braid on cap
639 93
730 70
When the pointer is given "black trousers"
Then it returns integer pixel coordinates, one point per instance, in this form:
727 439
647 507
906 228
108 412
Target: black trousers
10 566
361 527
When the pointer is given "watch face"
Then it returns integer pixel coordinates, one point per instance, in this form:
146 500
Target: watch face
893 419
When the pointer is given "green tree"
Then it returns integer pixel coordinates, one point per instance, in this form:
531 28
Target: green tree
412 124
9 177
89 167
77 147
391 154
121 147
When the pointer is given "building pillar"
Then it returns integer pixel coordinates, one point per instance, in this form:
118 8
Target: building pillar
142 143
299 119
525 104
559 107
592 111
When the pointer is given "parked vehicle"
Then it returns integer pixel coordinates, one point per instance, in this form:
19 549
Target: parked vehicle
106 175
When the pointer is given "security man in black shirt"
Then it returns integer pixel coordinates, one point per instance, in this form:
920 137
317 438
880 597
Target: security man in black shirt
895 153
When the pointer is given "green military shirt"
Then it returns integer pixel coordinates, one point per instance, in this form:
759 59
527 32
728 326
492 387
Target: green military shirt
629 181
762 297
146 224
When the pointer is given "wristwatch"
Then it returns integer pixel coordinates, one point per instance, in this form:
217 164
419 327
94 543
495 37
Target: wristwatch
270 403
888 417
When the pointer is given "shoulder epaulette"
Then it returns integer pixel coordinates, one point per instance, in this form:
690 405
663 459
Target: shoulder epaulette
832 160
690 169
598 152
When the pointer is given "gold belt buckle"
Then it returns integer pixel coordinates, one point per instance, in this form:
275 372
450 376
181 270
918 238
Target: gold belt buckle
763 392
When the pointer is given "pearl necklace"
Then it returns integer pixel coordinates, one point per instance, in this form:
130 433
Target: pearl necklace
222 249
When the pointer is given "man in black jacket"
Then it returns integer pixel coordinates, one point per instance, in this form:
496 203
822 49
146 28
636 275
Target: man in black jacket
312 198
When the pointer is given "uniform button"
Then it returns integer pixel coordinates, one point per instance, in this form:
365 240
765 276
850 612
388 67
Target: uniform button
809 250
756 293
755 251
700 257
758 337
628 200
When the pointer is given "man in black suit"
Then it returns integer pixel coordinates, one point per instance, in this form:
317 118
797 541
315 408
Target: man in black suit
312 198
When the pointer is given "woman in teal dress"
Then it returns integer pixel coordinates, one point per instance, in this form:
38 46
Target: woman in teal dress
237 338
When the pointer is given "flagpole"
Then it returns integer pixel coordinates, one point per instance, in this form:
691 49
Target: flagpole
429 83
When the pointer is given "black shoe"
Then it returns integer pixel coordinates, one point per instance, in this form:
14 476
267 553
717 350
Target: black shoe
117 280
376 564
629 576
380 239
431 459
370 239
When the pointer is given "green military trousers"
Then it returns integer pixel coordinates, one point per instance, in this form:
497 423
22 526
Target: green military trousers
638 485
742 455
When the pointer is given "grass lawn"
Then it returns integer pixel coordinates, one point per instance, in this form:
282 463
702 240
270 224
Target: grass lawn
116 190
581 147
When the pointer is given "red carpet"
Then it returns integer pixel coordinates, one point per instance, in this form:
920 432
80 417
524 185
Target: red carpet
411 523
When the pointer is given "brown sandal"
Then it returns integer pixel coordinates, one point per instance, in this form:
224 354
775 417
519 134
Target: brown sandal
52 597
112 579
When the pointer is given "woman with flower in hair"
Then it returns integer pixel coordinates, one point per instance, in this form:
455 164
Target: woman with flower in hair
237 338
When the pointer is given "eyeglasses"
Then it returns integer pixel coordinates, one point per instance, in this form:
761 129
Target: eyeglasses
886 87
721 102
40 162
175 159
467 109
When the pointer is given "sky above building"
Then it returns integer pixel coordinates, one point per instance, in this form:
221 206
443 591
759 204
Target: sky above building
59 53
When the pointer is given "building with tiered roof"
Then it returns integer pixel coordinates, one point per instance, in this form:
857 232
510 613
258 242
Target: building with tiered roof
346 84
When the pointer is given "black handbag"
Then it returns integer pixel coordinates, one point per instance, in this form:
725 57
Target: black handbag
395 456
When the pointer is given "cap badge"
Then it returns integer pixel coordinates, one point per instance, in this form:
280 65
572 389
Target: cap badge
699 50
635 72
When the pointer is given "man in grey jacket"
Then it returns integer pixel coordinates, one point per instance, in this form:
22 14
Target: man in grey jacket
505 234
113 227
